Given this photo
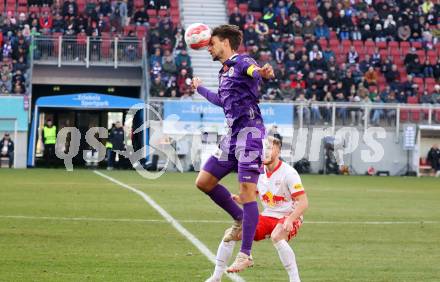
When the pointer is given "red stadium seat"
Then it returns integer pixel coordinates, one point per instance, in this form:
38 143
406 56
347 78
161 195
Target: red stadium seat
437 115
323 43
346 43
432 55
416 44
138 3
393 45
153 21
105 35
10 8
243 8
174 3
45 10
358 44
81 39
129 28
151 13
383 53
404 115
420 53
418 81
141 31
257 15
369 44
413 100
22 9
415 115
381 45
334 44
299 42
398 60
105 48
404 44
174 12
175 20
34 9
404 49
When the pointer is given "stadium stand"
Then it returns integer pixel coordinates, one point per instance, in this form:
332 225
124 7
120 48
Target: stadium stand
158 20
375 44
393 50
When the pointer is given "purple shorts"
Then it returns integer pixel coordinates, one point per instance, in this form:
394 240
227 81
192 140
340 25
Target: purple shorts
246 161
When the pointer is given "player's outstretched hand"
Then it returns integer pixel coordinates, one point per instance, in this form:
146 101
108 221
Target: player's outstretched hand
266 71
196 82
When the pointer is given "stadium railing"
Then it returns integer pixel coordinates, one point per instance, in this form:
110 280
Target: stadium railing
62 50
338 114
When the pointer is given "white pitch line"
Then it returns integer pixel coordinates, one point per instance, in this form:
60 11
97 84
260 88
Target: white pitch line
182 230
206 221
372 222
82 218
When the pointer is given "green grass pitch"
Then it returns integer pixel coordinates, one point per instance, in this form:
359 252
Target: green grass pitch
77 226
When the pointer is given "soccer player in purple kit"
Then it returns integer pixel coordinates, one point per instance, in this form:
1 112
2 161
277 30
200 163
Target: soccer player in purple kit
241 149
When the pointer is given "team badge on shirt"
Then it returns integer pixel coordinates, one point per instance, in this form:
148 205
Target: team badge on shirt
231 71
271 200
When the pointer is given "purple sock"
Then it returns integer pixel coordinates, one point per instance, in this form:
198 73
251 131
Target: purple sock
221 196
250 221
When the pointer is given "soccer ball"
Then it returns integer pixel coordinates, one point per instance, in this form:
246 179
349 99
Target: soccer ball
197 36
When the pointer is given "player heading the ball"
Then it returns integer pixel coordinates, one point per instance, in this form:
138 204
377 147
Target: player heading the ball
241 149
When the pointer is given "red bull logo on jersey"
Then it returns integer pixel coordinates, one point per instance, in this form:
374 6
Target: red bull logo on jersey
272 200
298 186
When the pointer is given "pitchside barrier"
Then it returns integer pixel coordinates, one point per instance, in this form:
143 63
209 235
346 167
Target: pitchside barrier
367 134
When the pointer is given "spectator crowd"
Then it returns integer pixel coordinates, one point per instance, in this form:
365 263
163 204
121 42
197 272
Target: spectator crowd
158 20
343 53
14 54
357 51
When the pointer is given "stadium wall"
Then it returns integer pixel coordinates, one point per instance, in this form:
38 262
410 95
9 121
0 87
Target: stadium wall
189 151
15 108
80 75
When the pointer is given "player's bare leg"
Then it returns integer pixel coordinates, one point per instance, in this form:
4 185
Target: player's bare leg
205 181
208 183
250 221
279 238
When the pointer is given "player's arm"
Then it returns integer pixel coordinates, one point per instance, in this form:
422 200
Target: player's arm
205 92
296 189
301 205
254 71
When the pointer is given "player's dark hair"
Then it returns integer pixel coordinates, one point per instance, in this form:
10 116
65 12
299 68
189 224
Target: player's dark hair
230 32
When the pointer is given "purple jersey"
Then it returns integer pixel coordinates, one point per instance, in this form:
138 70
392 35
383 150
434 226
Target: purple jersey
238 96
238 91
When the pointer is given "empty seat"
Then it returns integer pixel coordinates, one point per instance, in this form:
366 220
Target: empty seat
381 45
393 45
416 44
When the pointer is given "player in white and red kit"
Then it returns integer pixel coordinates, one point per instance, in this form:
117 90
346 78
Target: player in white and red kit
284 200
